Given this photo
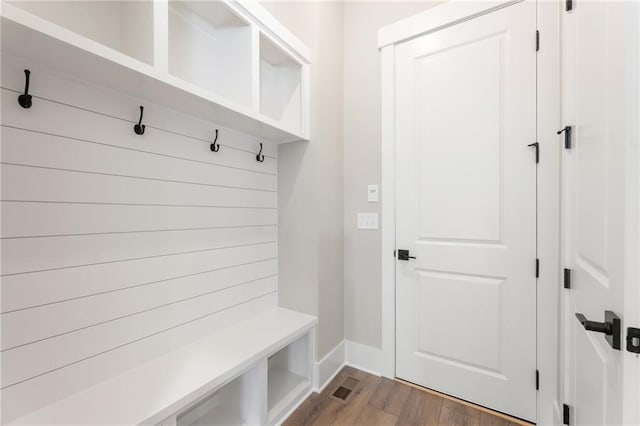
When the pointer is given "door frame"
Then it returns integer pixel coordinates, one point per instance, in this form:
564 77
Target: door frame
549 400
631 363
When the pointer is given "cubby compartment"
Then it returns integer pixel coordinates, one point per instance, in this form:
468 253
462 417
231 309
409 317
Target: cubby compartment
210 46
239 402
280 84
288 376
125 26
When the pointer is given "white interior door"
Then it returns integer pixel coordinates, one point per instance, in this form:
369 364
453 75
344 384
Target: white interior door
600 86
466 209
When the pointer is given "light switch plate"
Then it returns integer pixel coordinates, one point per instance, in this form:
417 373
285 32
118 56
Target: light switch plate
367 220
373 193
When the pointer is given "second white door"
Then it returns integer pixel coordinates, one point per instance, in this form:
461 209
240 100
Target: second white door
600 192
466 209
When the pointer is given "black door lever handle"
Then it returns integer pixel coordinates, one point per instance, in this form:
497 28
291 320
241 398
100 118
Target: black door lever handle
404 255
600 327
611 327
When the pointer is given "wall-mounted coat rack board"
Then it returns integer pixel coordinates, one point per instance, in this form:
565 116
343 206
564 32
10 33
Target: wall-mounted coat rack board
168 52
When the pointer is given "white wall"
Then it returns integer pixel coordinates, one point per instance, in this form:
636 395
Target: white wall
311 178
362 160
323 184
326 130
118 247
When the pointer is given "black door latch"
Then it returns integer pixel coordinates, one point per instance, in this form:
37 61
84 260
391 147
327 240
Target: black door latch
404 255
633 340
610 327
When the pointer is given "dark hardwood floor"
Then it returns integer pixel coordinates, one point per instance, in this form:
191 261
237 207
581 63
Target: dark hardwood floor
376 401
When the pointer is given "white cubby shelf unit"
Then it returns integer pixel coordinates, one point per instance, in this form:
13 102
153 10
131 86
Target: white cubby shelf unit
225 62
228 62
254 372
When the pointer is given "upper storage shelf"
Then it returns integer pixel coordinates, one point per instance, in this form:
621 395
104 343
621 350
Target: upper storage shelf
123 26
210 46
280 84
224 61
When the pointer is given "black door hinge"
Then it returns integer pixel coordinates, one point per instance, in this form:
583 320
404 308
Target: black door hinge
567 278
537 268
633 340
567 136
568 5
537 40
566 417
537 380
536 145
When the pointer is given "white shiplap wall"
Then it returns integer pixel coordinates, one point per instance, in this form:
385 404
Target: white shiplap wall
118 247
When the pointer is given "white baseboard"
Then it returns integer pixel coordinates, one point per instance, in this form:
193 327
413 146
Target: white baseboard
363 357
330 365
356 355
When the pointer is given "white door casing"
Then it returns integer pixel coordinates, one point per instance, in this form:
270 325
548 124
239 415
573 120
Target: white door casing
465 111
600 75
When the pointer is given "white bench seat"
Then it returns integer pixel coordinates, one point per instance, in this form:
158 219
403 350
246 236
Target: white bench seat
149 393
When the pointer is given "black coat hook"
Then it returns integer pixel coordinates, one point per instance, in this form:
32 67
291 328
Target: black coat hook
215 147
260 157
25 99
139 128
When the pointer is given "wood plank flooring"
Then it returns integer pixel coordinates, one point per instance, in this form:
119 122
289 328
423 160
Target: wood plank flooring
377 401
